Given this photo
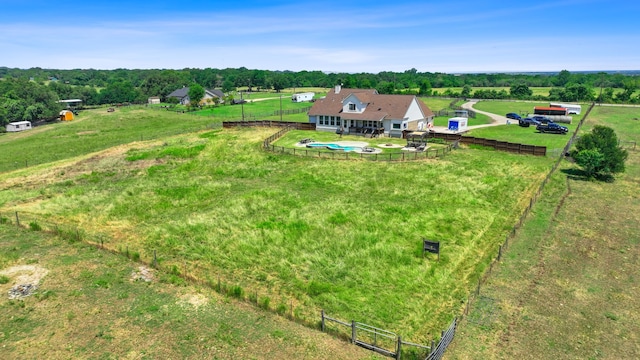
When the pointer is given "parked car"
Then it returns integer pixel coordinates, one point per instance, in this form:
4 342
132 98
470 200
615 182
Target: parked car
526 122
513 116
551 127
541 119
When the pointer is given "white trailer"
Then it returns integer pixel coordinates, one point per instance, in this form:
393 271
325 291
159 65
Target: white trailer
308 96
18 126
571 108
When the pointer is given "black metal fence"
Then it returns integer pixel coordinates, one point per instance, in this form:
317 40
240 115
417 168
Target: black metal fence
381 341
340 155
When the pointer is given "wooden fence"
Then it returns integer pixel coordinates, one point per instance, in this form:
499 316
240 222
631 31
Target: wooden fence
267 123
496 144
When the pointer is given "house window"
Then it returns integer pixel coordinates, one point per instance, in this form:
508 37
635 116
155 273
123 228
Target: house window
333 121
352 107
396 126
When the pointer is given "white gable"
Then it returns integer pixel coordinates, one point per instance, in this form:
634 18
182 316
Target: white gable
414 112
351 104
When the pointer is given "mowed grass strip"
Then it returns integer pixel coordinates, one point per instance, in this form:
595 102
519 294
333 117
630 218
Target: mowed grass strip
568 285
344 236
88 305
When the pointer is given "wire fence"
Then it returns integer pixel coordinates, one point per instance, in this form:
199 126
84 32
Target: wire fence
475 296
171 268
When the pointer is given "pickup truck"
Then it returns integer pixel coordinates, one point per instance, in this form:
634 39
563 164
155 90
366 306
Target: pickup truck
551 127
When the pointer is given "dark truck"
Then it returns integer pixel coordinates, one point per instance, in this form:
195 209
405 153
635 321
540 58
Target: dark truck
551 127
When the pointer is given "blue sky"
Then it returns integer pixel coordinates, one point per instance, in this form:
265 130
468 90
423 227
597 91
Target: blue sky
334 36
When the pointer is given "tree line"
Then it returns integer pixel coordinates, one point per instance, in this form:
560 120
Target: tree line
28 94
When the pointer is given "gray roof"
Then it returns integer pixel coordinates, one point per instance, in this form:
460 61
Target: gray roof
183 92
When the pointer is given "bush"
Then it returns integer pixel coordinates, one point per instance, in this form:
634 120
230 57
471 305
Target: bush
598 153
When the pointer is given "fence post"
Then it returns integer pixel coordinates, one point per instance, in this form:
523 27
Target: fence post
398 349
17 220
499 252
353 331
322 322
155 260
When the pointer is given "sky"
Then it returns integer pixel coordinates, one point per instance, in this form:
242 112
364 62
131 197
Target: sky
449 36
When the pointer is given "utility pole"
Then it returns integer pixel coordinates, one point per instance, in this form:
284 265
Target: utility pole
242 105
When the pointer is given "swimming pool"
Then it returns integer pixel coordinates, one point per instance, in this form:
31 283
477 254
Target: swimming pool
332 146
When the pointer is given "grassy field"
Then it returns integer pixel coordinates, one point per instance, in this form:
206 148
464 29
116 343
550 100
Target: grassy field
259 110
88 306
295 235
544 91
298 234
568 287
92 130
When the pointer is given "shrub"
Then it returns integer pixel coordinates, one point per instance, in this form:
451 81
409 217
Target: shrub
34 226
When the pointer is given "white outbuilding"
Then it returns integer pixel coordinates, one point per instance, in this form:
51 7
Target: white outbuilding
18 126
307 96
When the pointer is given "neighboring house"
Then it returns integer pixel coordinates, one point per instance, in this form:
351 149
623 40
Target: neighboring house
364 111
18 126
209 94
154 100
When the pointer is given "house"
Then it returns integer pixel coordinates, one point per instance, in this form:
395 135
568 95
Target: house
364 111
66 115
153 100
209 94
18 126
307 96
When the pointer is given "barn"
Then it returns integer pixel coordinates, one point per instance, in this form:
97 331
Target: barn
18 126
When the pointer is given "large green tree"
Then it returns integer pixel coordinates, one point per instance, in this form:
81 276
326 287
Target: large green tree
196 94
599 154
520 91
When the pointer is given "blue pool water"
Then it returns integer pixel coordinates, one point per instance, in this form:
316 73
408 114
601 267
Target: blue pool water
332 146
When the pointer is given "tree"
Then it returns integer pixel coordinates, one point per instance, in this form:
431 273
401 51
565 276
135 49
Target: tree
425 88
520 91
599 154
228 85
196 94
563 78
466 91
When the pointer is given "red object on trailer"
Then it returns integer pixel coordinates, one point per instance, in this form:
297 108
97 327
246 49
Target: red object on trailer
545 110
